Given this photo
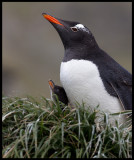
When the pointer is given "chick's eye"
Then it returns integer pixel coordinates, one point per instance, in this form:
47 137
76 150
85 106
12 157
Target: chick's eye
74 29
57 90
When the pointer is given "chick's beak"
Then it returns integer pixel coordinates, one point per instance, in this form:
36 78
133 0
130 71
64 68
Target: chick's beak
51 84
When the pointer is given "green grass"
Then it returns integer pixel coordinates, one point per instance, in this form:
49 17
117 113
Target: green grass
35 128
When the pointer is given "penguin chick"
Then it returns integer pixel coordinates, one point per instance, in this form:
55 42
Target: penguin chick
59 91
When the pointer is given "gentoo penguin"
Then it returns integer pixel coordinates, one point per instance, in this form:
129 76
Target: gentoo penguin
59 91
87 73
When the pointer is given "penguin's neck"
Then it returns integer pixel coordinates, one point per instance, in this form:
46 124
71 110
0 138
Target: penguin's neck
80 52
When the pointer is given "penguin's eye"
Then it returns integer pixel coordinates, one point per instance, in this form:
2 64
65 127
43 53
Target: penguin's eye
74 29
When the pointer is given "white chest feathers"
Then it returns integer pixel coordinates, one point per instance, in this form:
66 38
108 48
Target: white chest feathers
82 83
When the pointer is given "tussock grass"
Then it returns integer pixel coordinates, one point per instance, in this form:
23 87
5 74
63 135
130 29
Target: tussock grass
39 128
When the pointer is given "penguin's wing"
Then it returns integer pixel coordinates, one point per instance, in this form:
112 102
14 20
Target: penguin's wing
117 80
121 85
124 94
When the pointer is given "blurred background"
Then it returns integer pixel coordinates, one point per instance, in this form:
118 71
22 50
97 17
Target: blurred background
32 50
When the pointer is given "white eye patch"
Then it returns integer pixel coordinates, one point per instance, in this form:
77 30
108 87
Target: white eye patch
81 27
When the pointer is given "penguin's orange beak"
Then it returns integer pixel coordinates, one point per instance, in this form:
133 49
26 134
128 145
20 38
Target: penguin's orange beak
51 19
